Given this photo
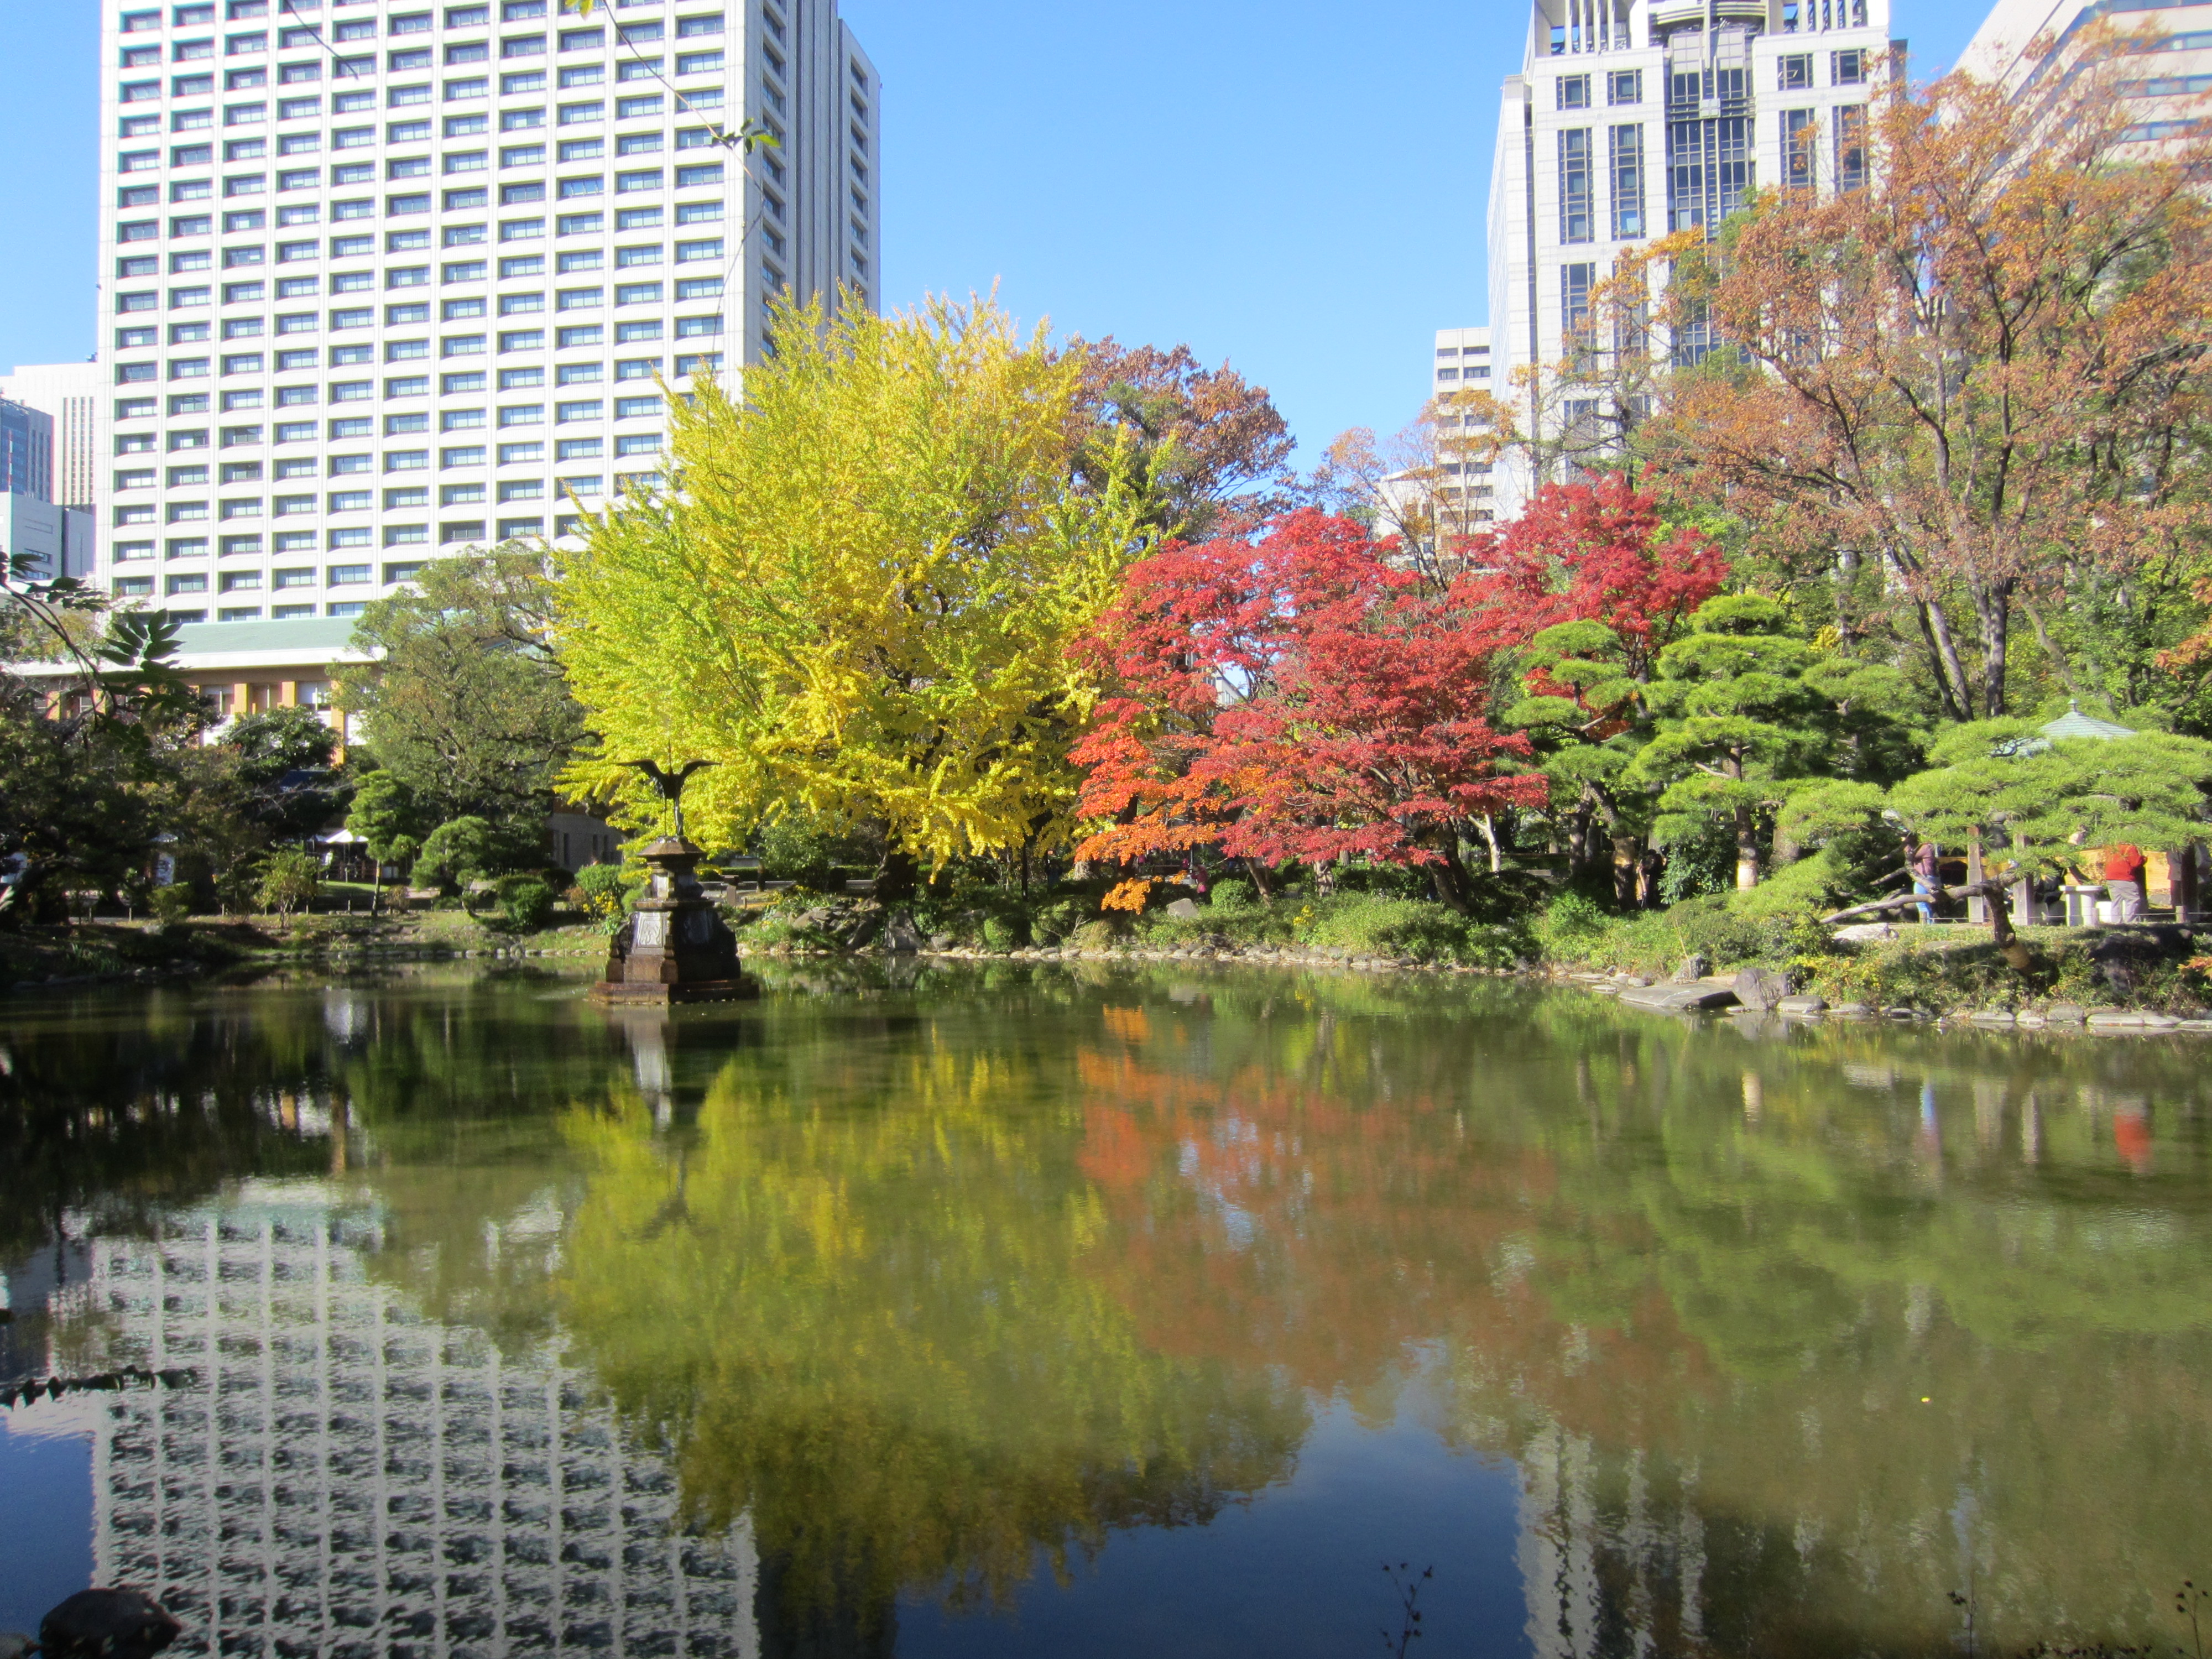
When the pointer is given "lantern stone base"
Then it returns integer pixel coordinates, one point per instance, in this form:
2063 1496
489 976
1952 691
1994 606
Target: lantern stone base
675 946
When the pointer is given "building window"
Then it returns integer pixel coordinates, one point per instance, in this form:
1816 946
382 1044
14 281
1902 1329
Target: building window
1625 86
1795 72
1576 281
1627 166
1799 131
1847 69
1576 185
1851 147
1574 91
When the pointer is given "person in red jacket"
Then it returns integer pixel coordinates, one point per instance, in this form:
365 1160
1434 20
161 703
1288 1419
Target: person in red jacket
2124 874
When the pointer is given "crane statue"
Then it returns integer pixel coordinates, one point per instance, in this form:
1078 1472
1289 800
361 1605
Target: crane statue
670 785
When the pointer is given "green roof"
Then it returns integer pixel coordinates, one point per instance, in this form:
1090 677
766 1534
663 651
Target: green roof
311 638
2076 724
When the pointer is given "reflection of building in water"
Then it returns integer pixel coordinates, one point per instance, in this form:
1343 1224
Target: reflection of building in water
1608 1566
351 1479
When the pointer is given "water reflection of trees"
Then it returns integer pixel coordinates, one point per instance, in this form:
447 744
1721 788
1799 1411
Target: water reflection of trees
852 1298
929 1281
1699 1286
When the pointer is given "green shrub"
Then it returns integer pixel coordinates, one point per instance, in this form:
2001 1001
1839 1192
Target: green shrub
1056 919
1234 894
525 903
1374 924
605 892
1004 932
170 905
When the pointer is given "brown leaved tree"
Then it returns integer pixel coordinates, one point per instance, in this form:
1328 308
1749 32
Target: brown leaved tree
1986 368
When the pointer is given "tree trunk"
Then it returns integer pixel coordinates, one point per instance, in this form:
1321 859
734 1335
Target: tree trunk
1627 867
1746 850
1944 658
1993 609
1258 872
1847 572
898 877
1448 878
1490 837
2051 649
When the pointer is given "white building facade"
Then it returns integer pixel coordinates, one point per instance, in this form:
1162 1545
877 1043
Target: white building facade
1463 364
340 1475
2028 47
385 278
1632 119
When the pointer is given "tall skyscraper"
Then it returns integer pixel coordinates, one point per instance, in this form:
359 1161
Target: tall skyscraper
387 278
71 394
1634 118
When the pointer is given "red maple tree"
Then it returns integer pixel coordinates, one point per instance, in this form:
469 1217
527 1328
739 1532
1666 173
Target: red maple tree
1597 551
1296 700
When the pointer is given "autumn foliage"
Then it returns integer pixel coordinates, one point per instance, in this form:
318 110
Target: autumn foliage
1296 700
1598 552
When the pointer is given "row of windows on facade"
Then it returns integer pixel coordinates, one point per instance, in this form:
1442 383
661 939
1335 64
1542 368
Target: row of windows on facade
341 503
140 21
463 200
308 73
1709 170
399 388
1793 72
460 273
142 337
236 151
349 428
1798 17
309 37
419 22
470 199
632 106
132 267
531 341
415 499
348 541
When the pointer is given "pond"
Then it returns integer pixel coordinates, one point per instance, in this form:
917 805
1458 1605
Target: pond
1089 1310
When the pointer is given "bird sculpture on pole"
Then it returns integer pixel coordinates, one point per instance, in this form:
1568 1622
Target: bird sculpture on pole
670 785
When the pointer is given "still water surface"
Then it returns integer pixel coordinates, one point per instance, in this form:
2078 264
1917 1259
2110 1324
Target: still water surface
1014 1311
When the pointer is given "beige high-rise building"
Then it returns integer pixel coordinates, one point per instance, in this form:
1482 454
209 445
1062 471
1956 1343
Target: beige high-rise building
2030 47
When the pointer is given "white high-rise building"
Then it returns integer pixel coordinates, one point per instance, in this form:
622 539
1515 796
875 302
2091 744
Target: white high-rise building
1634 118
385 277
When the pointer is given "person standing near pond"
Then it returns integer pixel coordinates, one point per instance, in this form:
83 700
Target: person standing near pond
2124 875
1926 865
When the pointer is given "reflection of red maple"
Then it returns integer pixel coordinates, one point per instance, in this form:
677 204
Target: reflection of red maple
1265 1222
1297 700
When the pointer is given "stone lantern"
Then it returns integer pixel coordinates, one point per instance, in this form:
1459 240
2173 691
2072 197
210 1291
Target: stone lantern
674 947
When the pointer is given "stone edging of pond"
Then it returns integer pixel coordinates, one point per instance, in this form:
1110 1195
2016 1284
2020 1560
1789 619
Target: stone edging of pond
1711 995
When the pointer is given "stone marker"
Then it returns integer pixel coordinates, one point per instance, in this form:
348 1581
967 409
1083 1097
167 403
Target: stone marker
1184 909
107 1624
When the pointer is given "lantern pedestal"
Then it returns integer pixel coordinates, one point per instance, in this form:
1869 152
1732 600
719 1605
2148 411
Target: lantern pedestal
675 946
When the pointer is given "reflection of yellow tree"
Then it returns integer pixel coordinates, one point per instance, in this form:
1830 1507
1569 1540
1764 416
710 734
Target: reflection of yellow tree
850 1302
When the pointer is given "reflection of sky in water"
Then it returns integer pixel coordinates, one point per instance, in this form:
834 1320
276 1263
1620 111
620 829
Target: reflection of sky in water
45 1520
1296 1571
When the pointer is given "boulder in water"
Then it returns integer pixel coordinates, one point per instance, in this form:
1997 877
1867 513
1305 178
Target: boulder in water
108 1624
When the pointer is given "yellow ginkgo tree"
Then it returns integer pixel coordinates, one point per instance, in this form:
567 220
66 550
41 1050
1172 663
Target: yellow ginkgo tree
858 590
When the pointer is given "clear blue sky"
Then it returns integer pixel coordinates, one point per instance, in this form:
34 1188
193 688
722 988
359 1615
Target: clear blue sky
1297 187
